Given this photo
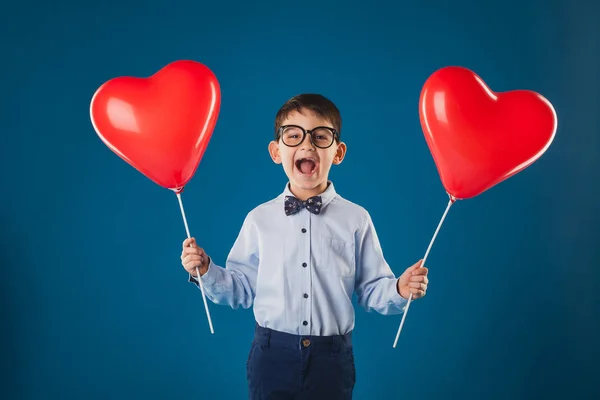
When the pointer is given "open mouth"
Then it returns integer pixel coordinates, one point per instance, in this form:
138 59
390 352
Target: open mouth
306 166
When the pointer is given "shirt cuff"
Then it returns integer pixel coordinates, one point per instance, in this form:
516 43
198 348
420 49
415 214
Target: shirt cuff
208 278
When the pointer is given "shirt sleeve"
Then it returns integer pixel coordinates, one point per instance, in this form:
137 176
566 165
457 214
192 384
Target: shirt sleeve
234 284
376 285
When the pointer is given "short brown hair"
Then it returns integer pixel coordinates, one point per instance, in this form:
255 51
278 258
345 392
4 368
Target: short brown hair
318 104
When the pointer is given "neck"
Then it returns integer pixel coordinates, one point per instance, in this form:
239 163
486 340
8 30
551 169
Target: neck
304 194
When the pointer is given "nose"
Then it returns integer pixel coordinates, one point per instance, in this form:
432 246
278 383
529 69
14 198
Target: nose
307 142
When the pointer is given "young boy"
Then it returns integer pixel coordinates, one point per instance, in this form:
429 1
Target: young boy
299 258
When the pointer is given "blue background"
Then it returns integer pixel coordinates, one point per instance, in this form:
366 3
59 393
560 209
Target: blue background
95 303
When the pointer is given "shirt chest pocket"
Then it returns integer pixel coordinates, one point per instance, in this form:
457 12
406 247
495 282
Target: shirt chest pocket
336 256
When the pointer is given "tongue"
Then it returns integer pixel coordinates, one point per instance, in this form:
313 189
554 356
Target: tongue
306 167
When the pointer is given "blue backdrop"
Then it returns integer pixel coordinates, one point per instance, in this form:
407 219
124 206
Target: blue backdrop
95 303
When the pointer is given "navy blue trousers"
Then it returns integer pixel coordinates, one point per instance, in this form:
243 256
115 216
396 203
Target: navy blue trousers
282 366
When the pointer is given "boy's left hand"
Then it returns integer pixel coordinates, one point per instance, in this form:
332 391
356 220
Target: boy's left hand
414 280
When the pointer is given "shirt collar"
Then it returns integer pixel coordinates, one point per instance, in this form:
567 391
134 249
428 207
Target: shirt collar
326 197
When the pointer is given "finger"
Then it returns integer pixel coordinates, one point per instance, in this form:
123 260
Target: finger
414 268
192 250
417 293
417 285
191 269
419 278
189 242
192 263
192 258
184 254
420 271
191 266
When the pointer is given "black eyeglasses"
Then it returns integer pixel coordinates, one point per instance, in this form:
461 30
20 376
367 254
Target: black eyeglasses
321 136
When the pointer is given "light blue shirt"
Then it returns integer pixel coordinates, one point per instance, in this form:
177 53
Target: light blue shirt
300 271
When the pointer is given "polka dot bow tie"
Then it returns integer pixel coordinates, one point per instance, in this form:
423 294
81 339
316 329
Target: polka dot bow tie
293 205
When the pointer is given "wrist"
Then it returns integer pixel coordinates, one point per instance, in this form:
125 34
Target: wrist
204 267
399 289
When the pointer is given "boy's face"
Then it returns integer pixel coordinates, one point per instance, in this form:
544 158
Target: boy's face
306 165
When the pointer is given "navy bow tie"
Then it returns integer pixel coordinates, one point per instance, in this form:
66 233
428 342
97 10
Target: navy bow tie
293 205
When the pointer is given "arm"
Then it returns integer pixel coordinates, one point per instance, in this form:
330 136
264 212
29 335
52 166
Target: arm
234 284
376 285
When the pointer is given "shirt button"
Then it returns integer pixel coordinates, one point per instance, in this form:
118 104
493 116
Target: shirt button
305 323
304 265
305 296
303 230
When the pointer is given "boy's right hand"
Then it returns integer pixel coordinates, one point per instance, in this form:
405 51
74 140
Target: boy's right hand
193 256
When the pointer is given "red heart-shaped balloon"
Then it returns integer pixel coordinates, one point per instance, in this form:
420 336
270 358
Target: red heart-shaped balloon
479 138
160 125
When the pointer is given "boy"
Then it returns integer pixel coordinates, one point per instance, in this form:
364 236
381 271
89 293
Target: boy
299 258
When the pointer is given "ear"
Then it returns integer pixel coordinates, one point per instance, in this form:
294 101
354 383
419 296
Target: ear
340 153
274 152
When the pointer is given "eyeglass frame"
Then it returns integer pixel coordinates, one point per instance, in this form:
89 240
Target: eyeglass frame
336 135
